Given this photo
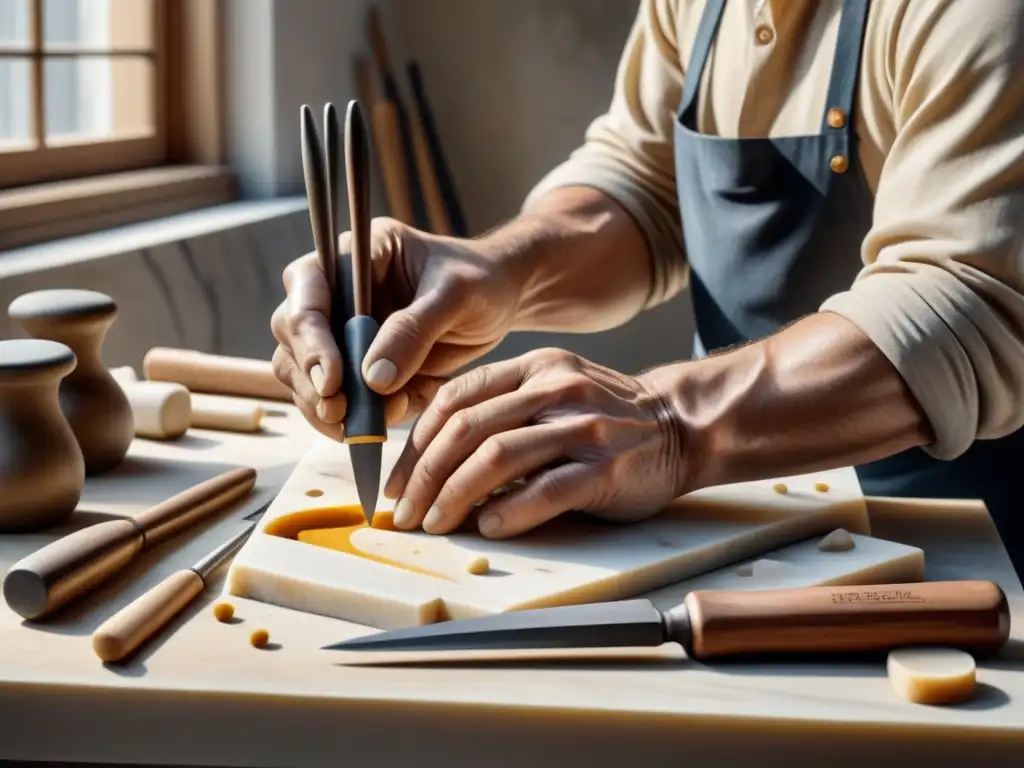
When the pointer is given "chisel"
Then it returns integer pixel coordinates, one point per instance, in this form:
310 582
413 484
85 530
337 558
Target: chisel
364 424
124 632
73 566
973 616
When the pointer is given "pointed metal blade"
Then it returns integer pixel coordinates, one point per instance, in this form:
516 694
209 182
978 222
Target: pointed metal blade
366 458
629 623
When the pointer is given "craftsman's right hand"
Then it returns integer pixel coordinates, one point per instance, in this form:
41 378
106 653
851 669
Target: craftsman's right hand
441 303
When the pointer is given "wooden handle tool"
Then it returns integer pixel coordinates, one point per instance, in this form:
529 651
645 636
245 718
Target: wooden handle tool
140 620
970 615
215 374
76 564
973 616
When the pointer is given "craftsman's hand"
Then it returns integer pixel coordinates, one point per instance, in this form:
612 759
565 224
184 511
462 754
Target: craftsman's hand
587 438
441 302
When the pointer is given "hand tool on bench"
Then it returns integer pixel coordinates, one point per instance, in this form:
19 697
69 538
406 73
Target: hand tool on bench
969 615
364 424
141 619
75 564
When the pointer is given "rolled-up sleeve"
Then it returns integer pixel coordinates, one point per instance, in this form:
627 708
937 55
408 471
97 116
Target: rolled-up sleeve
627 151
942 292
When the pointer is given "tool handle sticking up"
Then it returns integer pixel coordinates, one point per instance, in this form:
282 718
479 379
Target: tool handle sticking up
364 419
365 426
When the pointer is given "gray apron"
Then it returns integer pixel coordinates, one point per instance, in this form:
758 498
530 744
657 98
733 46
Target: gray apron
773 227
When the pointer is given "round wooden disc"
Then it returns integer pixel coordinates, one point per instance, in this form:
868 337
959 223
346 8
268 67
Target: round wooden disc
62 303
33 355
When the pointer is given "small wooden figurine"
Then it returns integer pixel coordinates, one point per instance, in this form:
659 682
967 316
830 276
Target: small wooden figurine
42 472
95 406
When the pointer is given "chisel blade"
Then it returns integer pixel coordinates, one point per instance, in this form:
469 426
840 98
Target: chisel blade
629 623
366 459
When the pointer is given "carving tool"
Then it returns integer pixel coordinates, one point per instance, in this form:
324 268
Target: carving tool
215 374
140 620
365 426
455 218
393 97
76 564
972 616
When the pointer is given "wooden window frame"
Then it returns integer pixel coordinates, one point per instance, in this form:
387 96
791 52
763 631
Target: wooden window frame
74 188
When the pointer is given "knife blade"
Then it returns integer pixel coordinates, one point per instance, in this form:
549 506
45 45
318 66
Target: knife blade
969 615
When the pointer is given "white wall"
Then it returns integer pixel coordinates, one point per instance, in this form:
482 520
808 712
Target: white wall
513 84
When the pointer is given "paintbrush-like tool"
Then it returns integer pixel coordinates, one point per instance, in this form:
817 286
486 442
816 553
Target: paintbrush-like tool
365 426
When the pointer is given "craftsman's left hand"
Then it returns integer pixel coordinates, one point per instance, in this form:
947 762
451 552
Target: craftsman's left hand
586 437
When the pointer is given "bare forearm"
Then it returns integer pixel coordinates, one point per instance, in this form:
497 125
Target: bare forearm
815 396
582 261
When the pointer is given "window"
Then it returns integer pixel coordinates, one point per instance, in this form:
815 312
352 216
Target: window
110 113
80 88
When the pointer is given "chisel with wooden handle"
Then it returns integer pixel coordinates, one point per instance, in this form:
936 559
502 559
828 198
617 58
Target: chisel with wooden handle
215 374
973 616
123 633
76 564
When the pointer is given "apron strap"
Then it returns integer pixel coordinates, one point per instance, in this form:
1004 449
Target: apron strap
842 85
699 53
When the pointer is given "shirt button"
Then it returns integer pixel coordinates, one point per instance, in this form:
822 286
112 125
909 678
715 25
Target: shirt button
836 118
839 164
764 34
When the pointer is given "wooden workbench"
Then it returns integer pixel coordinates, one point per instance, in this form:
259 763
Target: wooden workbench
200 695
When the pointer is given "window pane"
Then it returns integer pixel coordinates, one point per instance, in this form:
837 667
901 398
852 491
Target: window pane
98 23
14 22
15 105
98 97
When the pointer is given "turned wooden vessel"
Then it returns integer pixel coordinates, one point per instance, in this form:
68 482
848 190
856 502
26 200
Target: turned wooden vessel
42 471
95 406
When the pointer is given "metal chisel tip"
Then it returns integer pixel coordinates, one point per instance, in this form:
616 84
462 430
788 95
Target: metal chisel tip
366 460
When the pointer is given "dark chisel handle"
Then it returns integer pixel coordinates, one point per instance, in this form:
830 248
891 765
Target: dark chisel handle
364 413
